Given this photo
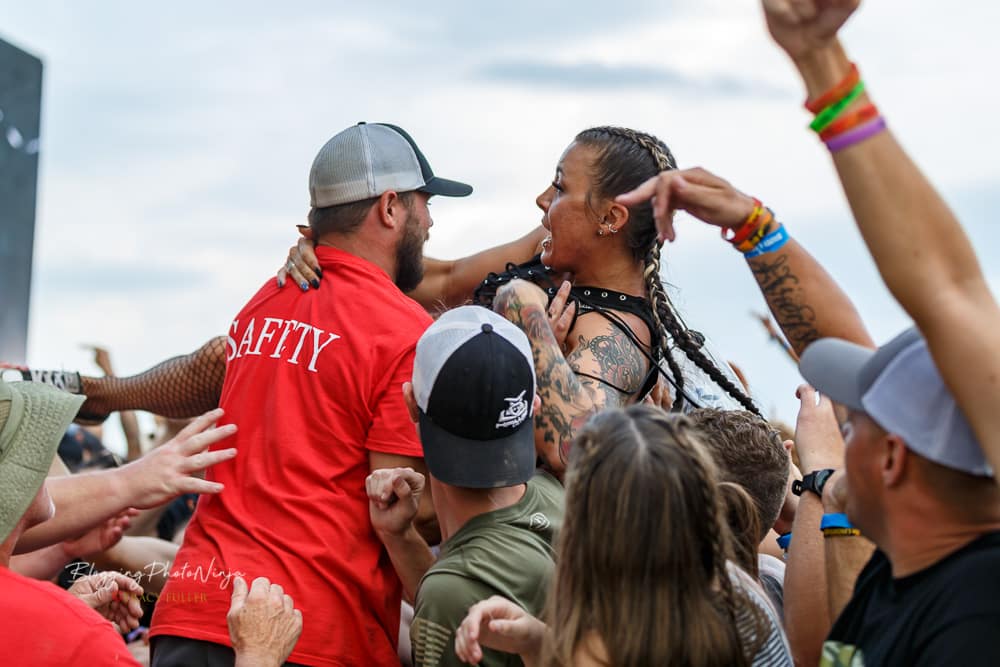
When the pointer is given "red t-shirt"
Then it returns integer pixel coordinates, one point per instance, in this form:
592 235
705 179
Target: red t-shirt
314 383
44 625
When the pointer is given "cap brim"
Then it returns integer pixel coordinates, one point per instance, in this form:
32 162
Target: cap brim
833 367
478 464
47 412
444 187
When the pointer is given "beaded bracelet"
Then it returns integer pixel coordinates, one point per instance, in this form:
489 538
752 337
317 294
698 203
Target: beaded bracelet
770 243
837 92
849 121
749 226
856 136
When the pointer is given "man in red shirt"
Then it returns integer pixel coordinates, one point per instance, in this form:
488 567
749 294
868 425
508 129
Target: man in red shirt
314 381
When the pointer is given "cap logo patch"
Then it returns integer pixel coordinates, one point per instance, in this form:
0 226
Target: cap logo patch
515 413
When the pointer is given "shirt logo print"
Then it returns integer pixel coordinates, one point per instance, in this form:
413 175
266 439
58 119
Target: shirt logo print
515 413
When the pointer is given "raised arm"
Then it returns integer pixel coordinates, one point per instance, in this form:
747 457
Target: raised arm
446 283
921 251
805 300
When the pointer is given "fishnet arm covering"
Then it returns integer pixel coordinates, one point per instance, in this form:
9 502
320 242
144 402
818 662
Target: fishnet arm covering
184 386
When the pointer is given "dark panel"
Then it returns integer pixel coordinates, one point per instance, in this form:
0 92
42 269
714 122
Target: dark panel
20 108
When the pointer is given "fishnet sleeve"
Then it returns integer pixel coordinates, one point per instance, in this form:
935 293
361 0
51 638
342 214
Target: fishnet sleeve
184 386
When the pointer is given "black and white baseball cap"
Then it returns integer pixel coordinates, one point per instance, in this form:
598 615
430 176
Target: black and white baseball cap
368 159
900 388
474 383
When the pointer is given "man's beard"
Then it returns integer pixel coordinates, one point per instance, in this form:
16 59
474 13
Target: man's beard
410 257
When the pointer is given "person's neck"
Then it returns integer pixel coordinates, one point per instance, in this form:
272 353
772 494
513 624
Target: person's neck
616 272
922 539
368 249
456 506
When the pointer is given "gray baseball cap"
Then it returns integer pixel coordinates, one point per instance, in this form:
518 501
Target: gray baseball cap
368 159
900 388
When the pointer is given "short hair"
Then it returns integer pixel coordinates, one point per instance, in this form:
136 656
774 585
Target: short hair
346 218
750 453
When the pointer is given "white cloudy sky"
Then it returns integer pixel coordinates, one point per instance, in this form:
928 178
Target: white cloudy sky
176 142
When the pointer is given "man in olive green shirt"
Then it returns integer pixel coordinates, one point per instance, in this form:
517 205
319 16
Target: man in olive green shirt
473 395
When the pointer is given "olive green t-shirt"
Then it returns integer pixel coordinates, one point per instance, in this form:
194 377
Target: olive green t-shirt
508 552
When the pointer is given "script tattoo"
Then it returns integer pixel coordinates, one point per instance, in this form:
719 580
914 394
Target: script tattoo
784 296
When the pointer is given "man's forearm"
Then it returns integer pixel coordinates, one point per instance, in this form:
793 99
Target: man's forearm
411 558
807 618
81 501
845 558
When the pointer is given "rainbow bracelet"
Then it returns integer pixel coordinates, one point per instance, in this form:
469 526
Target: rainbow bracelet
826 117
770 243
856 136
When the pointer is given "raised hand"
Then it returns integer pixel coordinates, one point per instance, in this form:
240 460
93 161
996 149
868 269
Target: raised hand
393 498
170 470
801 27
702 194
112 595
817 436
561 312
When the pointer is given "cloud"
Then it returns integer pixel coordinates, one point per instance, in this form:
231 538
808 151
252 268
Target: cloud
587 77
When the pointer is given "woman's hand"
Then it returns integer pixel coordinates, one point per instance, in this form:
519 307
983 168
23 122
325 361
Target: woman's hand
561 312
112 595
301 266
702 194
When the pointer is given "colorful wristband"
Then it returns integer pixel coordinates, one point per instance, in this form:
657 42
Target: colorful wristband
751 242
825 117
841 532
770 243
856 136
849 121
835 93
784 540
749 226
838 520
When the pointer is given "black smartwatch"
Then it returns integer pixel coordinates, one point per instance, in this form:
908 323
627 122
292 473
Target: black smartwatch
814 481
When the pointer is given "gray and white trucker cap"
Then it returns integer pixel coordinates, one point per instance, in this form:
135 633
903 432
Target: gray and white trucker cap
368 159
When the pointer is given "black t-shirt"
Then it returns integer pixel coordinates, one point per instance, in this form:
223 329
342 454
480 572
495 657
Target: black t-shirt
947 614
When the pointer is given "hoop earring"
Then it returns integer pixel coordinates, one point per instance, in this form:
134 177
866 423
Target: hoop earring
613 230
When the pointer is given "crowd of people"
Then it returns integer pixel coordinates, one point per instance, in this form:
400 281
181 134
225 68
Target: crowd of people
526 456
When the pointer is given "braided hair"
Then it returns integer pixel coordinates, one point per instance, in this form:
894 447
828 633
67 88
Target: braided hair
626 158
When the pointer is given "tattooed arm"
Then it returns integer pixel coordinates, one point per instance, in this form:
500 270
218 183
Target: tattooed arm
575 386
807 302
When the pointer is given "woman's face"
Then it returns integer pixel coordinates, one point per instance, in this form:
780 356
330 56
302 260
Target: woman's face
571 222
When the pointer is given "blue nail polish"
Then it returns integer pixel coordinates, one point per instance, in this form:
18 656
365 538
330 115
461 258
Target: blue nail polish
305 286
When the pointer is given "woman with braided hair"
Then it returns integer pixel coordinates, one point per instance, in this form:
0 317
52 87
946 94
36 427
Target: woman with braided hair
644 568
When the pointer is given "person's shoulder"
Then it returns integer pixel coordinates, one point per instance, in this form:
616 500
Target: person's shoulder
972 569
56 602
444 595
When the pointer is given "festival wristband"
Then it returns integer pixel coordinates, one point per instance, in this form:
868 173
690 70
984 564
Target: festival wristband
749 226
835 93
784 540
841 532
850 121
770 243
838 520
751 242
856 136
825 117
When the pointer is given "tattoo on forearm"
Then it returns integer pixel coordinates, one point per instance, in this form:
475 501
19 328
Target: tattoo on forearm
785 297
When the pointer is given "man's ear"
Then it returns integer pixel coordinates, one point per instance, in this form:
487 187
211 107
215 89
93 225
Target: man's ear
536 404
411 401
390 209
895 461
